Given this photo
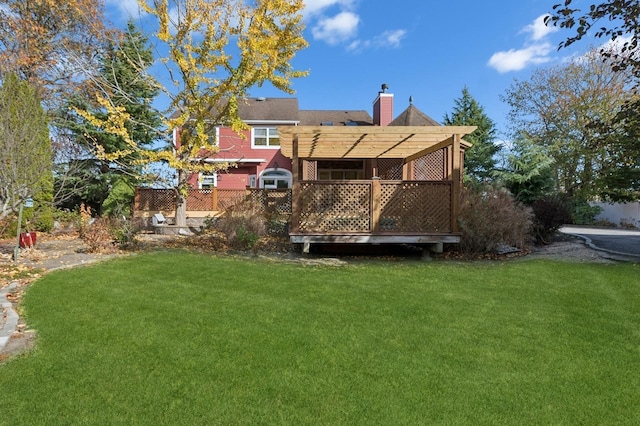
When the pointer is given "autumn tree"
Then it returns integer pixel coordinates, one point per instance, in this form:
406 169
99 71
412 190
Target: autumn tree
480 159
25 150
54 44
618 22
556 108
216 51
610 20
41 40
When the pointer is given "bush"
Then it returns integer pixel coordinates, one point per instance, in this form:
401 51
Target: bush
96 234
490 217
551 212
242 225
108 234
582 213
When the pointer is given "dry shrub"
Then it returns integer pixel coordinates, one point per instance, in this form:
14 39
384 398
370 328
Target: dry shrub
97 235
242 225
107 235
490 217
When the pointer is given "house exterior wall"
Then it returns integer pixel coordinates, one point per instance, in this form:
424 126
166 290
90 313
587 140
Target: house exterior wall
238 147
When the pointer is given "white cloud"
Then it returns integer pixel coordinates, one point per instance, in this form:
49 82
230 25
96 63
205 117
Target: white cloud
516 60
312 7
538 29
341 27
536 49
390 38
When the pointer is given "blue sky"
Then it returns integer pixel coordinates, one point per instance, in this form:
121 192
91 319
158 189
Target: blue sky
425 49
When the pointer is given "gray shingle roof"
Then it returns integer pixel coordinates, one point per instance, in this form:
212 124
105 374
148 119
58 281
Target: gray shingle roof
336 117
412 116
271 109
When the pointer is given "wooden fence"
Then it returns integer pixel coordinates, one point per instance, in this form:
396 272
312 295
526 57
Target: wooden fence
211 201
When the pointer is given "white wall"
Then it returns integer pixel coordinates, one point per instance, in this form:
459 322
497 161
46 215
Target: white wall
620 213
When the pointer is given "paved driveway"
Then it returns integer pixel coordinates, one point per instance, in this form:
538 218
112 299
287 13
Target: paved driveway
615 241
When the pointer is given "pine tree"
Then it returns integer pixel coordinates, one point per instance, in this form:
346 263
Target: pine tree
480 159
123 77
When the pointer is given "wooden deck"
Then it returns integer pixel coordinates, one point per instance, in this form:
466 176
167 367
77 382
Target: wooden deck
374 212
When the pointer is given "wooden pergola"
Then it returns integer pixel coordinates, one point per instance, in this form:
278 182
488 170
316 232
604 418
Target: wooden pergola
312 143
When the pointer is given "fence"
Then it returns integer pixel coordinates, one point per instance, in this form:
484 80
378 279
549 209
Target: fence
210 201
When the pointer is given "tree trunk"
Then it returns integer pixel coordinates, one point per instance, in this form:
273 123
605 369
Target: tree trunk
181 199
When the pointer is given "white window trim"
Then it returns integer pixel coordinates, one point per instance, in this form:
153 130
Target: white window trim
202 176
288 176
254 146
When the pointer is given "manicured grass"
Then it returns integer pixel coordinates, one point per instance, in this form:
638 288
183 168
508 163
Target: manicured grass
181 338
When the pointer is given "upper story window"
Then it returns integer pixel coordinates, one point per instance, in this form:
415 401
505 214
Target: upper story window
265 137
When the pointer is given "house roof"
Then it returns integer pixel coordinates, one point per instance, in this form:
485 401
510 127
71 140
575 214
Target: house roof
407 142
335 118
268 109
412 116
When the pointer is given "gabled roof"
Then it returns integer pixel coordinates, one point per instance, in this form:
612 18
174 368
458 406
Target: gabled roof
268 109
335 118
412 116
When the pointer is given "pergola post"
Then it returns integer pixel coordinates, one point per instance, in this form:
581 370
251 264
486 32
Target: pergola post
376 192
455 182
295 188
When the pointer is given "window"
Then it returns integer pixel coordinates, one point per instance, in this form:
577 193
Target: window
265 137
207 181
275 179
341 170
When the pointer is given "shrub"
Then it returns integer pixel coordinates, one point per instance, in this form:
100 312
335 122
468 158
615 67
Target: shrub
490 217
242 225
582 213
108 234
96 234
551 212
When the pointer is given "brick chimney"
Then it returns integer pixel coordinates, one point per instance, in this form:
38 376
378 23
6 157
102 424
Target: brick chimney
383 107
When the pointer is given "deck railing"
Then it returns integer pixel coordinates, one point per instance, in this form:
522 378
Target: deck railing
358 206
374 207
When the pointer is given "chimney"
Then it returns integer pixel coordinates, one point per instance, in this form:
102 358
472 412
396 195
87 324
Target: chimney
383 107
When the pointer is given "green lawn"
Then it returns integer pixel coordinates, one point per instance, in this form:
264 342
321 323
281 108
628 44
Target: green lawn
180 338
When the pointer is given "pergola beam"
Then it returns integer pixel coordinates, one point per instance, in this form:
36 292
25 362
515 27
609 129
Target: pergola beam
329 142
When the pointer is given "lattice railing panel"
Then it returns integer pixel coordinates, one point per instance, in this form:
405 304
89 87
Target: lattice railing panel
230 197
272 201
311 170
335 207
415 206
151 199
431 166
200 200
390 168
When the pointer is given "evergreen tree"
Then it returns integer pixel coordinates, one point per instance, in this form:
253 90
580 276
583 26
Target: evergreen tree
124 79
480 159
25 148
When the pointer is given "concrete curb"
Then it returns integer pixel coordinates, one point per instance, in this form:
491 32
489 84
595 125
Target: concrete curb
6 308
609 254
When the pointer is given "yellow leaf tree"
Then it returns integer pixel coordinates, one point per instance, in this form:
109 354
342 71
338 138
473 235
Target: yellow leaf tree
216 50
